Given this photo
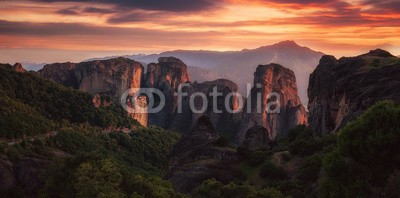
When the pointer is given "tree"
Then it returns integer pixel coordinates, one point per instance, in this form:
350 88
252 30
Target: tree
366 154
99 180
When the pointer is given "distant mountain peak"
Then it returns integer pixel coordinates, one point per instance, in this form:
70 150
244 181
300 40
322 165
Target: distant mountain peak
287 43
379 53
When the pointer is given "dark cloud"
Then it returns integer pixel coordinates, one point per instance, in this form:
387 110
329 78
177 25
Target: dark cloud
71 35
95 10
301 1
161 5
384 5
68 11
137 16
344 14
80 29
58 29
76 10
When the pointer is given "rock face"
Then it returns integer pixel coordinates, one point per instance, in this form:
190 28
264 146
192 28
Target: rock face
171 72
113 76
18 68
196 158
24 173
256 137
7 177
166 76
239 66
224 118
340 90
261 105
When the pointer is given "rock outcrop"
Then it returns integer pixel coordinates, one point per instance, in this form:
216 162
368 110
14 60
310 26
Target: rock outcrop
113 77
340 90
256 138
273 102
24 173
224 117
18 68
197 158
166 76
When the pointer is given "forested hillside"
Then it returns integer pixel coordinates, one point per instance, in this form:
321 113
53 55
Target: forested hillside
53 144
31 105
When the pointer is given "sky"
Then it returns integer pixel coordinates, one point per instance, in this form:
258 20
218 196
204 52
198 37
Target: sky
74 30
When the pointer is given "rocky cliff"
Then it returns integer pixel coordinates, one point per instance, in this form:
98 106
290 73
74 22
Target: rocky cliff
239 66
25 173
261 105
340 90
113 77
197 157
224 118
166 75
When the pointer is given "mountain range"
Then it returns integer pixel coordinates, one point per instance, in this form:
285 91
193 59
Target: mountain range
239 66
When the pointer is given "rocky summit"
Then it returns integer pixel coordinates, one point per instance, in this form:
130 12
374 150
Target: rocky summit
113 76
341 90
18 68
289 112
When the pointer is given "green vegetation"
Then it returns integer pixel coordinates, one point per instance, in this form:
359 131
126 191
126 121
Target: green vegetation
83 162
19 119
366 155
30 105
213 188
271 171
363 160
379 62
60 127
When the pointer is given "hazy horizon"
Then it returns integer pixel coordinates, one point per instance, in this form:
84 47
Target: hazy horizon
39 56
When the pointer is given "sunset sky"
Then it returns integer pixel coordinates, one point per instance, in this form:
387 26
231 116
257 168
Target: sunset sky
68 30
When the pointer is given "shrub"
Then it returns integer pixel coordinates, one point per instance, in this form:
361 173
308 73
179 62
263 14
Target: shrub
270 171
309 169
366 154
257 157
213 188
301 132
306 148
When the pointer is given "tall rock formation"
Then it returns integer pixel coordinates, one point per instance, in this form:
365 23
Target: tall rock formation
272 78
171 72
166 76
113 76
212 65
224 116
340 90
